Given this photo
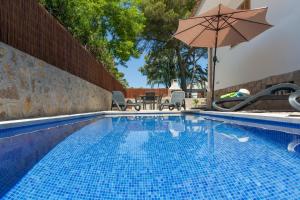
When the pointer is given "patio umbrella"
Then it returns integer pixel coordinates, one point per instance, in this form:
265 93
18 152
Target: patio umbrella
222 26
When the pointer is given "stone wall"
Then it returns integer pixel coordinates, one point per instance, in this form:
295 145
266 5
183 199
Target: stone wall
29 87
256 86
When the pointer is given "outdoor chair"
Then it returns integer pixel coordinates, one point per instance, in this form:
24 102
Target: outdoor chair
149 98
266 94
177 101
158 101
118 100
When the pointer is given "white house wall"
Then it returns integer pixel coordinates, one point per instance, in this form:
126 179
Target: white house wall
274 52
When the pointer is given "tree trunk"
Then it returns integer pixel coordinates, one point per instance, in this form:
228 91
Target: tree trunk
182 70
192 80
183 77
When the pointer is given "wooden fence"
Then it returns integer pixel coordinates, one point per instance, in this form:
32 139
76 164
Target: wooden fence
27 26
135 92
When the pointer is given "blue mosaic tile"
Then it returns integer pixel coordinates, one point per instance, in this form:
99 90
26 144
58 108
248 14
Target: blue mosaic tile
20 152
166 157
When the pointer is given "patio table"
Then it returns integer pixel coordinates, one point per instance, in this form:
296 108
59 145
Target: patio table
152 102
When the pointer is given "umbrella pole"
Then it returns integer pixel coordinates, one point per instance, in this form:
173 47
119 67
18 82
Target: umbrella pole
215 59
213 76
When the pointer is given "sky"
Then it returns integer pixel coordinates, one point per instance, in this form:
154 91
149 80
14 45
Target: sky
135 78
132 75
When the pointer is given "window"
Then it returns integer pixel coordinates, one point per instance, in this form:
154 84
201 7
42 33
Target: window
245 5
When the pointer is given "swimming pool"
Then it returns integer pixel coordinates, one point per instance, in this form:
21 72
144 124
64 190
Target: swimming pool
166 157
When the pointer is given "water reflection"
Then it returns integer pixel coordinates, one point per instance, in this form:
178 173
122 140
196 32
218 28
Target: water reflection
234 137
292 146
232 134
133 142
176 127
197 124
140 130
139 156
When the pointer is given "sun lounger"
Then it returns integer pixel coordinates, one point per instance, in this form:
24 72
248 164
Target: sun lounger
267 94
177 101
118 100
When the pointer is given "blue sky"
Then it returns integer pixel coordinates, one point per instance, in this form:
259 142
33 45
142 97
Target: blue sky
132 75
135 78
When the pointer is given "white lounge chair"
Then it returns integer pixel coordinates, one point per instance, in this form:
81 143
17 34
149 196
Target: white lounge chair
177 101
118 100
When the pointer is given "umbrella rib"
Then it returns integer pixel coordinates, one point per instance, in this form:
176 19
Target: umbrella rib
222 25
201 24
236 30
197 36
231 13
247 20
210 21
226 26
210 26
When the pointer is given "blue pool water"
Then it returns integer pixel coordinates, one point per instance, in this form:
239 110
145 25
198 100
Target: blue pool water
166 157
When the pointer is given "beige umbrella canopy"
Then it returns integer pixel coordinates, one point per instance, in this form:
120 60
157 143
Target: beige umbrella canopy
222 26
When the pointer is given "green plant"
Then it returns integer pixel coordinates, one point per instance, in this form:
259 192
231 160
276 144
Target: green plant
109 29
168 58
195 102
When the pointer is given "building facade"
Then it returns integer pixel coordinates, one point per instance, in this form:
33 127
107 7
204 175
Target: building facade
271 58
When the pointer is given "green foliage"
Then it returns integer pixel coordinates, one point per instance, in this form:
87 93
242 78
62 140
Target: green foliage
195 102
159 67
108 28
162 18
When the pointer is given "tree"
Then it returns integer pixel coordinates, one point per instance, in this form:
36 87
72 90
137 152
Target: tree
196 72
108 28
160 67
162 18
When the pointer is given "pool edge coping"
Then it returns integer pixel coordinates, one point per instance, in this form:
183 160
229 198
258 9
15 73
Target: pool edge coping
252 116
43 120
